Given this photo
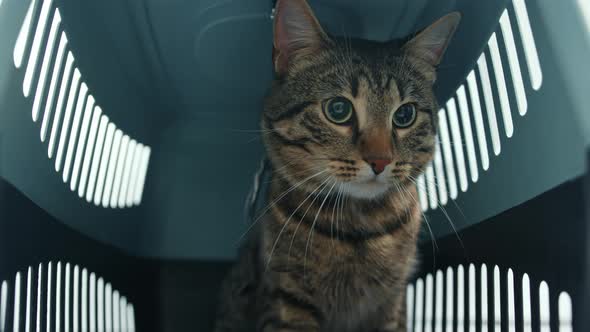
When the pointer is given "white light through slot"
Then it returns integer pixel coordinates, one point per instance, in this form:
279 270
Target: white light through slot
74 131
65 82
438 306
63 41
130 318
517 82
501 85
457 143
428 304
84 302
82 142
92 303
67 118
106 196
67 298
447 153
420 183
544 311
526 304
108 301
100 305
460 298
409 308
116 318
497 312
431 185
58 297
28 303
511 309
75 303
472 294
127 173
484 298
104 121
477 116
419 305
440 175
39 293
565 312
119 171
123 308
16 309
449 292
23 36
528 41
484 75
134 174
3 304
89 150
45 65
49 296
35 48
106 153
466 121
145 160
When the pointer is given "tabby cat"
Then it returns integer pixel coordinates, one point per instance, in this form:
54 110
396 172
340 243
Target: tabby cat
348 125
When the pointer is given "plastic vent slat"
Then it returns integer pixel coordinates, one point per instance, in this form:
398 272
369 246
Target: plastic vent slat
134 174
528 41
74 132
428 304
409 307
479 124
39 296
63 41
123 315
472 295
484 298
484 75
419 313
65 82
449 291
438 307
457 143
116 313
526 304
82 142
127 173
501 85
58 296
511 308
67 119
67 298
100 305
84 301
108 300
460 298
468 133
49 297
75 304
36 47
145 159
497 312
130 318
3 305
45 64
422 196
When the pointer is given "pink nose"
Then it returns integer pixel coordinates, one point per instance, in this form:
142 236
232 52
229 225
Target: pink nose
378 165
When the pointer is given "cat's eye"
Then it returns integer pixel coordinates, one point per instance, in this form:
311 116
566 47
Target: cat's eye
405 116
339 110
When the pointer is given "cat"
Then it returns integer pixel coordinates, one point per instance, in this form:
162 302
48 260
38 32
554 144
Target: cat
348 125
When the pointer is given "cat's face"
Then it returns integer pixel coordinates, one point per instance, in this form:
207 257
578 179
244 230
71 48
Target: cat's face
351 115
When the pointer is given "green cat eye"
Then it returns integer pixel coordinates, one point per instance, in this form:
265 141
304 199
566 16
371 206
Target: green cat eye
404 116
338 110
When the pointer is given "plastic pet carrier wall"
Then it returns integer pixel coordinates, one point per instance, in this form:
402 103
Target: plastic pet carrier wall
127 153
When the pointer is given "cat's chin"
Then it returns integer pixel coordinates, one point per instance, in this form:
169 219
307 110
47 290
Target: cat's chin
367 189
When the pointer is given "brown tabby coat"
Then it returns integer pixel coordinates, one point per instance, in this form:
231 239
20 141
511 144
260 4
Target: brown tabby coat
337 244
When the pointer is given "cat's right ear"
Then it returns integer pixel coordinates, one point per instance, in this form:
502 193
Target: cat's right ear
297 33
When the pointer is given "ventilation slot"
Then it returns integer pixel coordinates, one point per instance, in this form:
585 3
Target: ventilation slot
454 295
513 62
465 120
440 175
422 193
479 126
81 139
457 143
482 65
447 153
94 303
528 41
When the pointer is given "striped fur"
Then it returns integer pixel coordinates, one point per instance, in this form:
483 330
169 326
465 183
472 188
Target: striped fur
336 245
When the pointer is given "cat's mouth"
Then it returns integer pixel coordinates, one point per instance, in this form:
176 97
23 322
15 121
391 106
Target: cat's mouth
368 187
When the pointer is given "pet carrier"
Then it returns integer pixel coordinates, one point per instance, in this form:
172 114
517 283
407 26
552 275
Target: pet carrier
126 155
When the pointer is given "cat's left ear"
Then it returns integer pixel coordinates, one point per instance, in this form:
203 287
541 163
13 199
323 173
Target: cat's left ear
431 43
